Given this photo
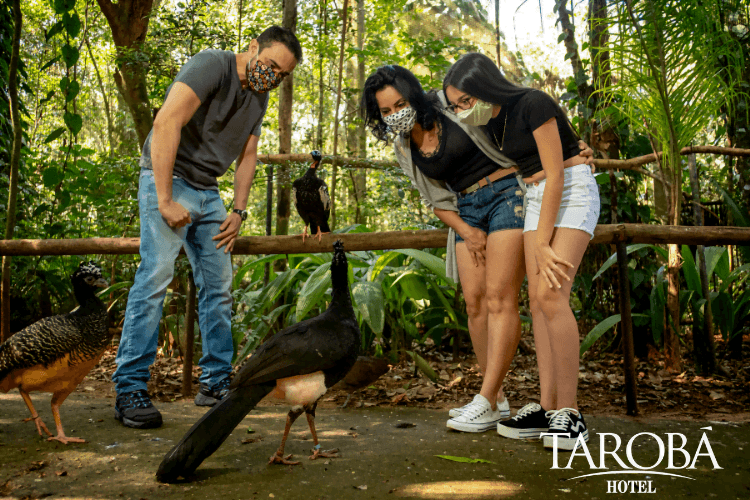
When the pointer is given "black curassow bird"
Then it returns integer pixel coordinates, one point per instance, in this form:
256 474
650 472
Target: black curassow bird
55 354
298 364
310 197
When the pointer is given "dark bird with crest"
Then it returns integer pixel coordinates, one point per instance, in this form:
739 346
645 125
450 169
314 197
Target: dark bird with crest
310 197
55 354
298 364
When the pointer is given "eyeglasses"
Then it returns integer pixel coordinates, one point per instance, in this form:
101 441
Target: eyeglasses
464 103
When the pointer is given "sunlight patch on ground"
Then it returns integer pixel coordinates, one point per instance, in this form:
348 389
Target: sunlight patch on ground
450 490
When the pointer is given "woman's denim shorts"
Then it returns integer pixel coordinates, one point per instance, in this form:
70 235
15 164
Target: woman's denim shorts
579 206
494 207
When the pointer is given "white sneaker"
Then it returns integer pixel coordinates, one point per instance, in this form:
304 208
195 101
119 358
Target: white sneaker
503 408
477 416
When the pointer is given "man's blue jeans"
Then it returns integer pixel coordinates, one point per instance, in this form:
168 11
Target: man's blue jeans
212 272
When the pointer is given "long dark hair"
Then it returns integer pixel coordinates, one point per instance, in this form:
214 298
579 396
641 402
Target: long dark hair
477 75
427 105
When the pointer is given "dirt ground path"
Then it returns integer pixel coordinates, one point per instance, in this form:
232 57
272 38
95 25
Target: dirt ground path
384 453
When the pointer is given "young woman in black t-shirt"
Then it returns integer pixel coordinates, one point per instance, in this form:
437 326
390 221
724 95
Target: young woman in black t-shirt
562 207
459 175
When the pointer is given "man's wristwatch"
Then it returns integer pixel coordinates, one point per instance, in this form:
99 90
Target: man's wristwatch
241 213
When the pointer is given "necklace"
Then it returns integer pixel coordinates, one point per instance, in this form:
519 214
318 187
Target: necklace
495 136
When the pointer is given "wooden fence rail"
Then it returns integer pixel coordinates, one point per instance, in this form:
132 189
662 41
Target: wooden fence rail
630 164
435 238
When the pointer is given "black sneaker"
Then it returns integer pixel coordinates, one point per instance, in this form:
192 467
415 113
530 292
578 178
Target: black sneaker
134 409
529 422
568 424
209 396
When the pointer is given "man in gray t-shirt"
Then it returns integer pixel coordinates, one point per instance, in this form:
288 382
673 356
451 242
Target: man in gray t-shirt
211 117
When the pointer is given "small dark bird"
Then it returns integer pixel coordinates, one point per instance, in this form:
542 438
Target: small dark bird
310 196
365 371
298 364
55 354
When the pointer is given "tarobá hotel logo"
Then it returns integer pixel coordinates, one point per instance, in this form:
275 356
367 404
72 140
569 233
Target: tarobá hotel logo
674 451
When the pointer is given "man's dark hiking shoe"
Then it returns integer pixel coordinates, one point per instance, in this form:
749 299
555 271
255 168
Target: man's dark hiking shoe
134 409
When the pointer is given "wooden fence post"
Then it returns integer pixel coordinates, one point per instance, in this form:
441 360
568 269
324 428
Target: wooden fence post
187 361
703 336
626 318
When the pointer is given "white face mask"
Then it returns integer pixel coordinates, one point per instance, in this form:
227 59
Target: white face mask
477 115
402 121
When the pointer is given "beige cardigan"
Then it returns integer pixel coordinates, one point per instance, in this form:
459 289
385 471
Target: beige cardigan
435 194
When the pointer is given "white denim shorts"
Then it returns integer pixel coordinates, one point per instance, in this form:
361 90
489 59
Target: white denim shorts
579 206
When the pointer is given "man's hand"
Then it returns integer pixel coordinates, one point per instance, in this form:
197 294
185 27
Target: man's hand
174 214
230 228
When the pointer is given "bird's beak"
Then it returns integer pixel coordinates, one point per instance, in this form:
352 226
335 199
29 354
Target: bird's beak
101 283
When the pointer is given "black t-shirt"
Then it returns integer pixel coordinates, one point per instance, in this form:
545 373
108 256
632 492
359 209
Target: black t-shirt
458 160
526 115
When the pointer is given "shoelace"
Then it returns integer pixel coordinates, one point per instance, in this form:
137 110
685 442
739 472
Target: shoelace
474 409
529 408
139 399
559 418
222 386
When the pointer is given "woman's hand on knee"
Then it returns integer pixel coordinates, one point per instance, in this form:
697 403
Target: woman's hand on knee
476 244
549 263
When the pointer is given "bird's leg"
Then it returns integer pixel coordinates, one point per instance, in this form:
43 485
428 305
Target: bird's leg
278 457
57 400
319 234
34 415
348 397
304 233
310 414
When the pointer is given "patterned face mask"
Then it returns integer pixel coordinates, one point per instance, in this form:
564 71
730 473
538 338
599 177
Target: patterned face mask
402 121
261 78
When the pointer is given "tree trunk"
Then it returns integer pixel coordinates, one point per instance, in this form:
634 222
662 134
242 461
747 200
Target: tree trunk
360 177
107 111
344 17
579 73
321 82
15 160
286 99
128 20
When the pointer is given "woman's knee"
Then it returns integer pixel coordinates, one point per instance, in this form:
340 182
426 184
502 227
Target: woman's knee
551 301
475 302
499 302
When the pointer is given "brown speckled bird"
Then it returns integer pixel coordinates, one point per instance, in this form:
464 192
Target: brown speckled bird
55 354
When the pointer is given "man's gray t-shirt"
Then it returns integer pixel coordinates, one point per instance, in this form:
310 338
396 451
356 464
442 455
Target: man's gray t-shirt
216 134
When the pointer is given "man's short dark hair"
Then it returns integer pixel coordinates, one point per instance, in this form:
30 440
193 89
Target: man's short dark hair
281 35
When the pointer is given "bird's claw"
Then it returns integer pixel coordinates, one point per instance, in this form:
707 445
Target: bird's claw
39 425
280 459
66 440
304 233
325 454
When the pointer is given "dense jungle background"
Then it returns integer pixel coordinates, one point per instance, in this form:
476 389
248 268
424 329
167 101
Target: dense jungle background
634 76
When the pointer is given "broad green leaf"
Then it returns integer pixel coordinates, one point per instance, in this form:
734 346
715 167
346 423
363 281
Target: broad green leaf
54 30
443 300
313 290
272 291
70 55
54 134
115 287
72 91
723 311
630 249
62 6
713 255
368 297
423 365
73 121
63 84
598 331
72 24
52 176
381 264
734 275
412 282
465 460
431 262
690 272
247 266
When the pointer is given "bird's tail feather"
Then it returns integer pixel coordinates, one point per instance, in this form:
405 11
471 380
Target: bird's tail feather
209 432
